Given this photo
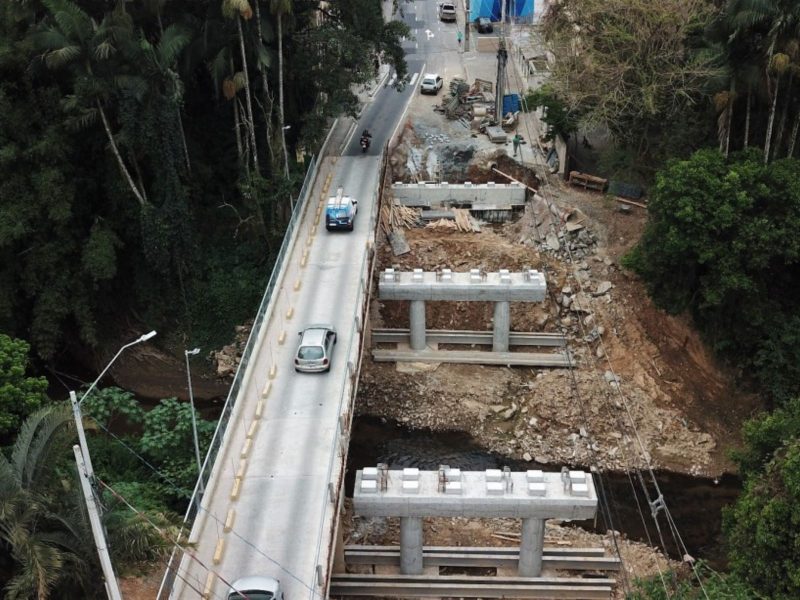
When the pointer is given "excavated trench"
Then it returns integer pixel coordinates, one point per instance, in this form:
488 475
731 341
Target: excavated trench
695 503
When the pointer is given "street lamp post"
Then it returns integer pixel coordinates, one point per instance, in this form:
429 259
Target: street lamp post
188 353
86 474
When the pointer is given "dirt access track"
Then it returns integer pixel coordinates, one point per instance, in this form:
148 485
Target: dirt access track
644 385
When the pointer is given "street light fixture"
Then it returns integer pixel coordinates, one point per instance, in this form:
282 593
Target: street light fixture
187 354
86 475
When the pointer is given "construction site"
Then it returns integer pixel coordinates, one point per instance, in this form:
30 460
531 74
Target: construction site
630 386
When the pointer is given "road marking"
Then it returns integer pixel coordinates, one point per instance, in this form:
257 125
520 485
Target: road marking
429 33
218 552
229 520
209 587
413 79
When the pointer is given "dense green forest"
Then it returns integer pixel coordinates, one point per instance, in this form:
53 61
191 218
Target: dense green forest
149 153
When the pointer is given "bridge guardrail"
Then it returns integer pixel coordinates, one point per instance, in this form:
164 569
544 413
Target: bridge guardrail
262 317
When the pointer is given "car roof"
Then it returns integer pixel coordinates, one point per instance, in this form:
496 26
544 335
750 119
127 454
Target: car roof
315 334
255 582
430 76
343 201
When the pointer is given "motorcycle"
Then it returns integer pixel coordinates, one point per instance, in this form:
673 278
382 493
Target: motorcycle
364 143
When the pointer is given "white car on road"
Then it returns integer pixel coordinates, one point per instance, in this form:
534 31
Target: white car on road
431 83
255 587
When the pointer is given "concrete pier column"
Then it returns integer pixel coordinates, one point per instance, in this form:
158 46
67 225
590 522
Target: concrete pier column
502 327
531 548
417 324
411 545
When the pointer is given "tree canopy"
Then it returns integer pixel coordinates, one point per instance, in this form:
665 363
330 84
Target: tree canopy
155 171
20 395
721 242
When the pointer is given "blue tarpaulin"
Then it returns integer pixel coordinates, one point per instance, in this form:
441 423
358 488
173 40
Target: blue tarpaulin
493 9
510 103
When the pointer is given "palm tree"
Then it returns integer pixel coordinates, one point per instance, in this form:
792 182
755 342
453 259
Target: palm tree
263 64
43 528
77 42
279 8
240 9
779 64
779 23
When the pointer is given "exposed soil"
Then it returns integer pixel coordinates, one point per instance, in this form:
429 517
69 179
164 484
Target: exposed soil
673 399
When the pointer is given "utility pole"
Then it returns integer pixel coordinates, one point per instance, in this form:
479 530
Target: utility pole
466 25
502 57
188 353
112 587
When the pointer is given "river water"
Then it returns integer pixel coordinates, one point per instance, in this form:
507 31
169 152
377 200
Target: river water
695 503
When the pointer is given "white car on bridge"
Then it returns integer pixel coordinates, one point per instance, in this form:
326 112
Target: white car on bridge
315 350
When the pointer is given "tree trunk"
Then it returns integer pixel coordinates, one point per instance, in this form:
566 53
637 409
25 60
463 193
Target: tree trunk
122 167
265 85
183 140
238 131
729 119
251 127
782 123
793 139
280 94
771 119
747 117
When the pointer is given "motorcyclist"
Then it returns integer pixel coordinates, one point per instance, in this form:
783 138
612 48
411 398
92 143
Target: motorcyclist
365 140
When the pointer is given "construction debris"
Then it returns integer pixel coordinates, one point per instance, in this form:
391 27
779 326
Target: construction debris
459 219
395 216
466 103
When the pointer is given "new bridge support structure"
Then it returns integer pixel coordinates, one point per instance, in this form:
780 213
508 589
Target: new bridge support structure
533 496
501 288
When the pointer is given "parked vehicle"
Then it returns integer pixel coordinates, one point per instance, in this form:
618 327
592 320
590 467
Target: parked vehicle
340 212
431 83
484 25
315 349
447 11
255 587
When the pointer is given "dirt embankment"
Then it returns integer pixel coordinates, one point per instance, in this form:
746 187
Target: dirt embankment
644 386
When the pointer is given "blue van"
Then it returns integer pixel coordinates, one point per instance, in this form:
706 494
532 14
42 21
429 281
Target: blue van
340 212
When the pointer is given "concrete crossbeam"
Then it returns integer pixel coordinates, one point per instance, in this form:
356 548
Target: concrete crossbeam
529 286
558 501
482 196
